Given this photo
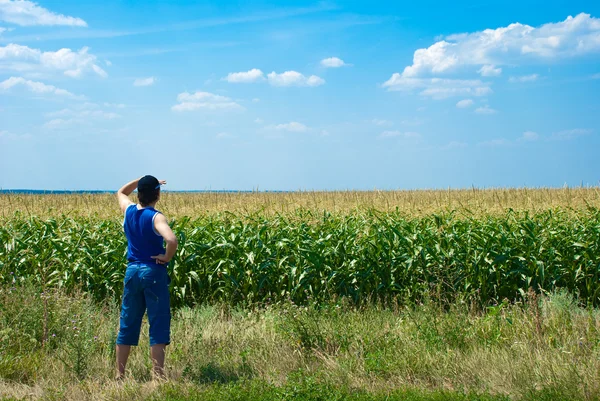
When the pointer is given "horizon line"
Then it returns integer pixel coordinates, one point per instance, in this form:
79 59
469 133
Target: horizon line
25 191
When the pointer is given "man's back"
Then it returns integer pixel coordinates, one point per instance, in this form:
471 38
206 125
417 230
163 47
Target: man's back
142 238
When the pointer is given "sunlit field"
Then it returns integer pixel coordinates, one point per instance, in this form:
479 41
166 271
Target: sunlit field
403 295
415 203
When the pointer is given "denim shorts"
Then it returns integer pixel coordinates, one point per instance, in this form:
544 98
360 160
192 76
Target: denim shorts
146 289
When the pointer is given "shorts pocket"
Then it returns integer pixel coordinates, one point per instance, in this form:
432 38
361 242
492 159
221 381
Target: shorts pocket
130 272
155 285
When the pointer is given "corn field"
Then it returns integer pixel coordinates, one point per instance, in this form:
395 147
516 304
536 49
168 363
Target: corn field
304 256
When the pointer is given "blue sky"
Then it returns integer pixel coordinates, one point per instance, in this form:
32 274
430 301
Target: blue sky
299 95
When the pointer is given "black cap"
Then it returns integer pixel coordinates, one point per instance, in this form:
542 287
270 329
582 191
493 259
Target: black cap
148 183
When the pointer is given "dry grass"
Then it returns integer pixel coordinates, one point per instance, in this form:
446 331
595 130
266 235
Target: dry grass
511 350
417 203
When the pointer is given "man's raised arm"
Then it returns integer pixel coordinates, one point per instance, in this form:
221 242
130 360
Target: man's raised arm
124 192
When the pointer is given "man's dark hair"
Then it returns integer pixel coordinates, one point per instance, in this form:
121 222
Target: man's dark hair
148 190
147 197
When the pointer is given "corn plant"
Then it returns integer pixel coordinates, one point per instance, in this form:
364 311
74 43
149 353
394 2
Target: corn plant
363 255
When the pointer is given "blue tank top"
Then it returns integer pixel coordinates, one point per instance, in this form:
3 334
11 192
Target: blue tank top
143 241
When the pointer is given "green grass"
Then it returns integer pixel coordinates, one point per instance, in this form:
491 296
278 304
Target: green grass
260 391
310 391
294 391
55 347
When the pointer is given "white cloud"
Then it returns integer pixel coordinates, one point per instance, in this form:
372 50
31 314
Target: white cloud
596 76
455 145
570 134
413 122
255 100
225 135
495 142
509 45
116 105
398 134
438 88
13 51
88 106
390 134
529 136
81 114
253 75
144 81
97 70
287 78
61 123
294 78
93 106
259 121
189 106
27 60
313 80
379 122
36 87
524 78
333 62
463 104
201 96
59 113
291 126
485 110
204 101
11 136
434 59
3 29
324 133
28 13
489 70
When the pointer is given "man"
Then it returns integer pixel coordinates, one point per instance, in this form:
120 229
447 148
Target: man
146 284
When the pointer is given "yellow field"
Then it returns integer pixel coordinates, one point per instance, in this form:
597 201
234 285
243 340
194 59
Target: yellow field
416 203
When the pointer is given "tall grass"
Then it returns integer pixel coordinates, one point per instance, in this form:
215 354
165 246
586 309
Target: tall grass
546 348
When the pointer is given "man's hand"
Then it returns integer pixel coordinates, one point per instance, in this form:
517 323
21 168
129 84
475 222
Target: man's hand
161 259
162 182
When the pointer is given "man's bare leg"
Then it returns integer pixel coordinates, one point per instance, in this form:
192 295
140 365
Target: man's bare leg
122 355
157 354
